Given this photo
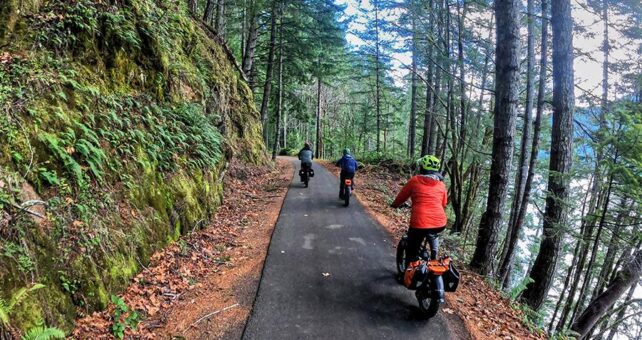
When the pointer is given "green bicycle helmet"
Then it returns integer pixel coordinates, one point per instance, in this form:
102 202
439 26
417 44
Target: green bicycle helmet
429 162
346 151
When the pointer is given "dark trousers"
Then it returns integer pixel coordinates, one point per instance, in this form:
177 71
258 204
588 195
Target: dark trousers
304 167
345 175
416 237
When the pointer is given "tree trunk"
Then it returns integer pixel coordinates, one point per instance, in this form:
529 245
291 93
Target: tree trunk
567 279
279 102
561 155
413 99
430 90
208 15
219 22
193 6
267 88
513 229
612 250
506 104
573 270
433 137
318 132
628 276
521 214
586 234
462 85
588 277
621 312
250 46
377 71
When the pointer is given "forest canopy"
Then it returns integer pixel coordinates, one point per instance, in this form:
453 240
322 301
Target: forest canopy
534 106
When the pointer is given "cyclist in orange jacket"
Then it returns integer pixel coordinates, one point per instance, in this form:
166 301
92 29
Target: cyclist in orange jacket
429 197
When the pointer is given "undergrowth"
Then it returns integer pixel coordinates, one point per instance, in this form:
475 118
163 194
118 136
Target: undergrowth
117 118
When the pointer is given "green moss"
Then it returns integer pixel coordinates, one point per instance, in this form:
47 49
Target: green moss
28 314
121 269
118 131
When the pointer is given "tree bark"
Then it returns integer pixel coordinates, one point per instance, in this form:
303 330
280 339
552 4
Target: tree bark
621 312
561 155
513 229
521 214
430 100
250 46
612 250
193 6
413 99
573 270
279 103
377 75
588 277
267 87
219 22
507 94
318 127
208 15
628 276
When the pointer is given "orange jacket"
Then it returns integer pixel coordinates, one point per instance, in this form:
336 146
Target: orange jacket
429 198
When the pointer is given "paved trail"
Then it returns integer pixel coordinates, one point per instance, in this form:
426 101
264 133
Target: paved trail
359 299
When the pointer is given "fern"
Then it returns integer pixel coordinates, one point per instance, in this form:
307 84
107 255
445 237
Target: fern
517 290
22 294
4 312
7 307
44 333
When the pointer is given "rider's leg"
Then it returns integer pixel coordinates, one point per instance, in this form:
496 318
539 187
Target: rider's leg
415 239
433 241
342 178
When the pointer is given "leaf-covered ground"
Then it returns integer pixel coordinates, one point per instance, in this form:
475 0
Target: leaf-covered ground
485 312
203 285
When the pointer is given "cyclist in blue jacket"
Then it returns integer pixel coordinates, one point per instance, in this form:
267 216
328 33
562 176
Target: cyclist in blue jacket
348 167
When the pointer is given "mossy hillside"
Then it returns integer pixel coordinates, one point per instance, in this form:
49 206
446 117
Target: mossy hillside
120 116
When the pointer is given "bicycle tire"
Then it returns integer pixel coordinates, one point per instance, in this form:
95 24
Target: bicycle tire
401 257
346 196
428 304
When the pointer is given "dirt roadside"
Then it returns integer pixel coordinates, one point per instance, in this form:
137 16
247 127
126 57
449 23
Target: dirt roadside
476 310
203 286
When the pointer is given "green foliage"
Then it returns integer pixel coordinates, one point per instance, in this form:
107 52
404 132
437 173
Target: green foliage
6 307
517 290
123 318
44 333
288 152
110 104
19 254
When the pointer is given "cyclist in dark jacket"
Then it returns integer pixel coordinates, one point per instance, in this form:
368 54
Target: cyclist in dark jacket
306 156
348 167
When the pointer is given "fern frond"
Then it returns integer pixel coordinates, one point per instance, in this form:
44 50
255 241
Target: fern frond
4 312
21 294
44 333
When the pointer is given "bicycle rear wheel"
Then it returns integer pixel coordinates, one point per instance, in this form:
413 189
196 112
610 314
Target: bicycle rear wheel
428 303
401 257
346 196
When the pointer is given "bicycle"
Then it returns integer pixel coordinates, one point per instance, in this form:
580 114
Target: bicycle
430 278
306 173
347 191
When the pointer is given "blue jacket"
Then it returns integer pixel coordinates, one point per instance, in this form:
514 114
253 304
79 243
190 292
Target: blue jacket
306 155
348 164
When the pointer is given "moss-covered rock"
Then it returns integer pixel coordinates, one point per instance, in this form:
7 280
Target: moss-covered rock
121 117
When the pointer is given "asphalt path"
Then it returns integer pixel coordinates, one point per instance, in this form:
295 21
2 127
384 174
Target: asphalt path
329 274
